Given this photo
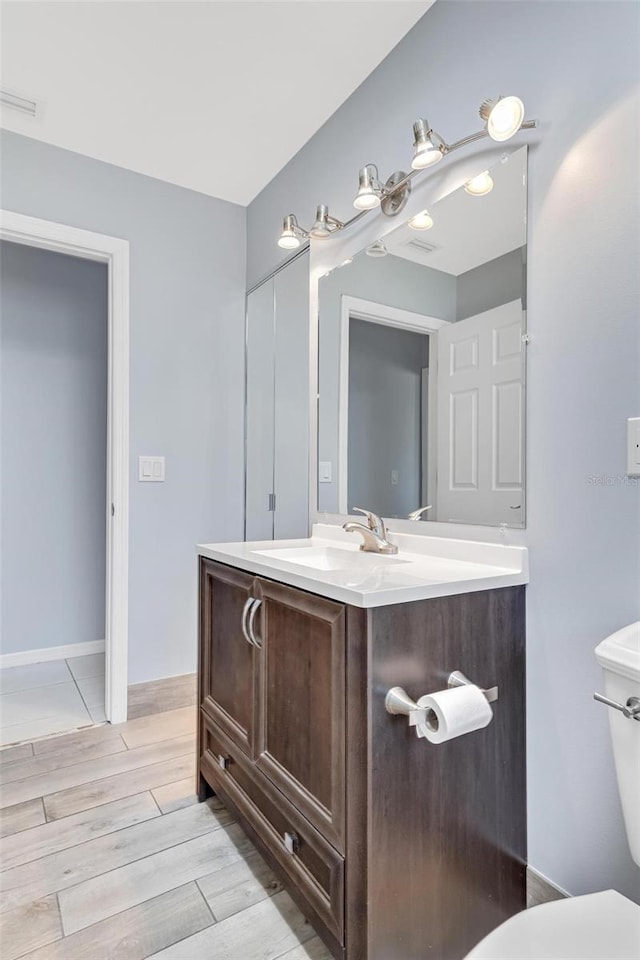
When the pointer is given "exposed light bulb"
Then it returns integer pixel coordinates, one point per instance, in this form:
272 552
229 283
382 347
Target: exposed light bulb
289 238
366 201
368 196
421 221
504 117
428 146
479 186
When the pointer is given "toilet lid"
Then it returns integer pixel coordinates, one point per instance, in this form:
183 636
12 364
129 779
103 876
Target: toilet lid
599 926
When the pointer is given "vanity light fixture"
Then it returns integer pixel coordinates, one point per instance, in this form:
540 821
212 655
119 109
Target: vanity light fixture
292 235
503 117
324 224
479 186
391 196
421 221
369 188
376 249
428 147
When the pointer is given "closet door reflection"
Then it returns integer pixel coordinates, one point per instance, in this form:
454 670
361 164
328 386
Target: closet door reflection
291 463
260 413
277 406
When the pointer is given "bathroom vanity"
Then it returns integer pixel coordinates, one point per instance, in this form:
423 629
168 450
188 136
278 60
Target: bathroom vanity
394 848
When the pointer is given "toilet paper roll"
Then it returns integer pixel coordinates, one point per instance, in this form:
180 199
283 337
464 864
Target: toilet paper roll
452 713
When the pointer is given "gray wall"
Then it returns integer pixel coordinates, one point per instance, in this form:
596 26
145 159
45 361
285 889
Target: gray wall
491 284
387 280
53 356
583 294
385 417
187 341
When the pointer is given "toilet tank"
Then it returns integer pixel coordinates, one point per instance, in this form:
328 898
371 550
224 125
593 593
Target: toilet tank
619 657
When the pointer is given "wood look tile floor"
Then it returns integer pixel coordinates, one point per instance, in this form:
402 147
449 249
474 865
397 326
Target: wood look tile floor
106 855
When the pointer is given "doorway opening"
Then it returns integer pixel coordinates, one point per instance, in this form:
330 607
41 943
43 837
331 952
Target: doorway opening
110 258
406 410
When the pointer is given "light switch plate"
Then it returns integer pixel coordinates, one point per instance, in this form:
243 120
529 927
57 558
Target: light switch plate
151 469
324 471
633 447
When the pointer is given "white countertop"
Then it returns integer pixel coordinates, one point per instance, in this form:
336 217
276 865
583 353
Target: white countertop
424 567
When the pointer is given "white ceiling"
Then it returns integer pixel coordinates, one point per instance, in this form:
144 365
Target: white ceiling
215 96
468 231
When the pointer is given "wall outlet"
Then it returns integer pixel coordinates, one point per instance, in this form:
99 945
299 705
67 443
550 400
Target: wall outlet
151 469
395 478
633 447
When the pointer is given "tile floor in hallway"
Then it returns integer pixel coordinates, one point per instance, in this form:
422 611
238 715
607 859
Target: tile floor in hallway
40 699
106 855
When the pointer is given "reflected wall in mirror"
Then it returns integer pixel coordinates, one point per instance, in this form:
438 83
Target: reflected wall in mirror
421 358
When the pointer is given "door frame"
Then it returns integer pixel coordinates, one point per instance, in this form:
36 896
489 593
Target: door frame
359 309
114 251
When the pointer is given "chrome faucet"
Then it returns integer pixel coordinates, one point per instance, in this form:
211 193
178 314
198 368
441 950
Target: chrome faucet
373 533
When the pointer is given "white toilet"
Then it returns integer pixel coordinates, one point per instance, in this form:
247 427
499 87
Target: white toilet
598 926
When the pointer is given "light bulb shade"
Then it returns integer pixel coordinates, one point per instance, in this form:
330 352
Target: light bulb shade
428 147
289 238
321 229
376 249
479 186
368 196
504 117
421 221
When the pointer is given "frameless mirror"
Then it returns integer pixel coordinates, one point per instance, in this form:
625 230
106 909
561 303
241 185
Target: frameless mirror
421 358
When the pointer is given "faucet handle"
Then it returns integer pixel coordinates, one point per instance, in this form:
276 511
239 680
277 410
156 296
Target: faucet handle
374 522
416 514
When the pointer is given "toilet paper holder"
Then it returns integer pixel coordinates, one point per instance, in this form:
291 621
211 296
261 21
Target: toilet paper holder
398 701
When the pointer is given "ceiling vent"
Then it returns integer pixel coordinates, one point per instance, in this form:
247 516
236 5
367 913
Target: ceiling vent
422 246
15 102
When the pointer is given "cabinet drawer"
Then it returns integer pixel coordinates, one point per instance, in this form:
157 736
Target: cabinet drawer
311 862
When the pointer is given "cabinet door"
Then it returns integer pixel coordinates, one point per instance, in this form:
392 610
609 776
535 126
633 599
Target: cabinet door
301 732
228 661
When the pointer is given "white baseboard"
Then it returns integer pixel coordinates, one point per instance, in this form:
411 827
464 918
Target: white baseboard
23 657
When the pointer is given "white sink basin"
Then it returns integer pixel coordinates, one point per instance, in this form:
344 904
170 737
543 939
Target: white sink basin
329 558
330 563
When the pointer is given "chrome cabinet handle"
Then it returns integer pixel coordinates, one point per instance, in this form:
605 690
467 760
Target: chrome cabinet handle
223 762
252 616
243 620
291 843
630 709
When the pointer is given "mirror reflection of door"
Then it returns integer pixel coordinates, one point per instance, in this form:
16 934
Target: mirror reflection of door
387 403
480 417
386 416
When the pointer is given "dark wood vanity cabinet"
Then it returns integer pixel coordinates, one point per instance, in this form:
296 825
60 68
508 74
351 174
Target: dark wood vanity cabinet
394 848
301 700
228 665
